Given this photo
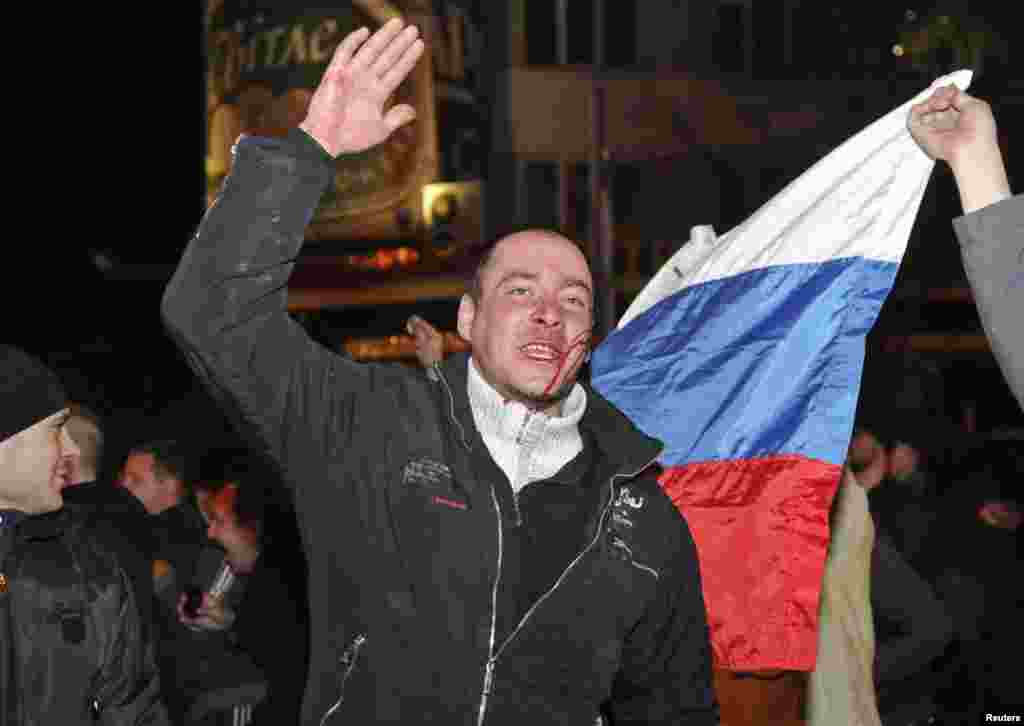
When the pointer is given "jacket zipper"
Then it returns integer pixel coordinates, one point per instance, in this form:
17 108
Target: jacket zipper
348 663
493 658
516 492
590 546
488 671
485 694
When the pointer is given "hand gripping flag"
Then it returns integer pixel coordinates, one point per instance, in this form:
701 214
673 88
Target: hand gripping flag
744 356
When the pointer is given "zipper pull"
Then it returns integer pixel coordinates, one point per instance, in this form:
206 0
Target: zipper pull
522 428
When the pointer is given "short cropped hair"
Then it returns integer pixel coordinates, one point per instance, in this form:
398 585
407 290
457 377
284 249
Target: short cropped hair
86 429
170 460
481 255
253 477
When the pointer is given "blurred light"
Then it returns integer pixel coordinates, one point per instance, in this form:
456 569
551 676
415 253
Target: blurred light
897 50
444 208
407 255
910 15
440 202
383 259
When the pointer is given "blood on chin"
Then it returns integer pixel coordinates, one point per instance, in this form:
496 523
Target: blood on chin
542 393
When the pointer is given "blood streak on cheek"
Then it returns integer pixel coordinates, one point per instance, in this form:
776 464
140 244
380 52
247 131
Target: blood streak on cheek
580 341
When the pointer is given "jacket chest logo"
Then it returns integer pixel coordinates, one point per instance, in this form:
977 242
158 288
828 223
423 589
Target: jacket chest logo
625 506
436 478
427 473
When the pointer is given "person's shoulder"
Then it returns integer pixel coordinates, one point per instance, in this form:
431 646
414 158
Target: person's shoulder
96 554
103 496
645 495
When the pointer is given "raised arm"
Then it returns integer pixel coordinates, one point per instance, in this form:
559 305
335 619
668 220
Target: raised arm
961 130
226 304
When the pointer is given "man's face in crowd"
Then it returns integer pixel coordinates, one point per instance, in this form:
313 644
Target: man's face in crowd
239 541
35 465
1001 514
83 432
140 477
530 328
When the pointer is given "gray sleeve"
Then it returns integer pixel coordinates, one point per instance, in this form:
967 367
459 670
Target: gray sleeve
992 245
226 307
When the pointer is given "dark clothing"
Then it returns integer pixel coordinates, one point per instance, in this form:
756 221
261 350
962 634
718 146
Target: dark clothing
992 245
905 514
179 537
192 664
120 520
407 530
71 642
274 631
976 570
912 629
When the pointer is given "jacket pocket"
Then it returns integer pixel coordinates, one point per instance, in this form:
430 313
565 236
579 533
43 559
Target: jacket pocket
346 667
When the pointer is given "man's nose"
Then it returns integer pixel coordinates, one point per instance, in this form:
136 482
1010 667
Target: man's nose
547 312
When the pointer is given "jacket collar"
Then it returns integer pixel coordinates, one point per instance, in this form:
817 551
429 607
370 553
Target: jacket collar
615 437
43 526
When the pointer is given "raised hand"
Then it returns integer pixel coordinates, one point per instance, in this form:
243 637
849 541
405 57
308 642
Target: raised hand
346 113
961 130
949 123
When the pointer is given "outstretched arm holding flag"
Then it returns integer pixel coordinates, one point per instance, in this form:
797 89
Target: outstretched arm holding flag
961 130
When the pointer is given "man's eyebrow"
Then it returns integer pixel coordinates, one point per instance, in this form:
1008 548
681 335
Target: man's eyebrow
578 282
524 275
516 275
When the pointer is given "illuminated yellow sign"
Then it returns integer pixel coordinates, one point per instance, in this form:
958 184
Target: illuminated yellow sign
265 60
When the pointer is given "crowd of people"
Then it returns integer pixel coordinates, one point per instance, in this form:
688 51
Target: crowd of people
480 539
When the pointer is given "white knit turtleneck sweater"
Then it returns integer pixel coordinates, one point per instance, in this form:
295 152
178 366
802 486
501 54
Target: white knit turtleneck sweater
527 445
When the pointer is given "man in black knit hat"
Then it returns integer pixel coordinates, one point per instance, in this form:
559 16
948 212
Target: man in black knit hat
71 644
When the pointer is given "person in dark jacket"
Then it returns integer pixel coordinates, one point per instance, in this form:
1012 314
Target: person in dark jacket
111 511
912 629
156 474
488 544
72 648
263 610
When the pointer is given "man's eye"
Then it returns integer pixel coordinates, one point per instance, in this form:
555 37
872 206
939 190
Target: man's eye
518 291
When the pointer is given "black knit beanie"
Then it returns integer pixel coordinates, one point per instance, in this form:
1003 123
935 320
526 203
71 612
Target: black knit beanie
29 391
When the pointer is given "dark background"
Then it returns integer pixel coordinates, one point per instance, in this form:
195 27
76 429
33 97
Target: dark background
118 196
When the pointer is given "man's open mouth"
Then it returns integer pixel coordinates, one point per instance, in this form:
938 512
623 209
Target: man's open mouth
541 352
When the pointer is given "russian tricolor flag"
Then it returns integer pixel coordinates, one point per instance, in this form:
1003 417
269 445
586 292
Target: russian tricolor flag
744 356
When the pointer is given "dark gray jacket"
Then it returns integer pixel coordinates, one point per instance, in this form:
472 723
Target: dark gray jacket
73 649
405 532
992 245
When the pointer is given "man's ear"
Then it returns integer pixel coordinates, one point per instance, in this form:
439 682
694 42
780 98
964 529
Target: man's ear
467 313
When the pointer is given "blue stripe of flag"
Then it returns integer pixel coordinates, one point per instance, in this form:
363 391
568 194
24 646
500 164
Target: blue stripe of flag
762 363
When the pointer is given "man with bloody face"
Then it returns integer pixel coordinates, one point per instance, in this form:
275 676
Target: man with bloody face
487 544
